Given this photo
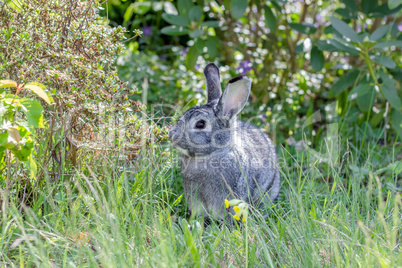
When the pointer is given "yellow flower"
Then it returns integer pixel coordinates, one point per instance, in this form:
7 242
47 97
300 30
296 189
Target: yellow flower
235 202
245 213
226 203
239 207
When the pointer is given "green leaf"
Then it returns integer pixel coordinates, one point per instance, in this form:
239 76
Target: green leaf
387 44
380 32
344 82
389 90
3 138
129 13
176 19
397 120
346 13
394 30
184 6
364 38
278 6
351 5
191 58
38 91
303 28
383 60
299 48
326 45
368 44
317 59
212 49
196 33
368 6
33 111
190 243
383 10
377 118
212 23
195 13
142 7
270 19
32 167
7 83
199 45
394 3
24 124
24 132
366 96
345 46
344 29
238 8
175 30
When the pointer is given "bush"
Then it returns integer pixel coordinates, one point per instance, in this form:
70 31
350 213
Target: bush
301 56
67 47
63 46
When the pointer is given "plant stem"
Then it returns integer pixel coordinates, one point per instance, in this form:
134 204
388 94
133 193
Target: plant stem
246 243
8 183
371 71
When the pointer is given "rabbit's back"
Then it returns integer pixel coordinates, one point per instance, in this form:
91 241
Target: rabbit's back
262 171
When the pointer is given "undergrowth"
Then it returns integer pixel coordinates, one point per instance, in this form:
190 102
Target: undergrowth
113 214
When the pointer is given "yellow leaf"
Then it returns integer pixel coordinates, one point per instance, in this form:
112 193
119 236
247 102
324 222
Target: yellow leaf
7 83
38 91
14 133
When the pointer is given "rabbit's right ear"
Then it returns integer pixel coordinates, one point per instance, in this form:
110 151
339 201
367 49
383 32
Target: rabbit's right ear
213 84
235 97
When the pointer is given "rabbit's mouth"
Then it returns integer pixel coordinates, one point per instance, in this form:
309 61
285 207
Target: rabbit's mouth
175 139
181 150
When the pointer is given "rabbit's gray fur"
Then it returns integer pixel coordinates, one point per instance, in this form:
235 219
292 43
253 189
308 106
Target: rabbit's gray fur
228 158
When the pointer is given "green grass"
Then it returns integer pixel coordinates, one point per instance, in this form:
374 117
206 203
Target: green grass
102 215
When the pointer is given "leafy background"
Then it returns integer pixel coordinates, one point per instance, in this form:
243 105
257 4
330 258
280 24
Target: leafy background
91 179
300 55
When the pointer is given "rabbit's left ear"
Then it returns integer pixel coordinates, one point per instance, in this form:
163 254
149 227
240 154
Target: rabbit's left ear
213 85
234 97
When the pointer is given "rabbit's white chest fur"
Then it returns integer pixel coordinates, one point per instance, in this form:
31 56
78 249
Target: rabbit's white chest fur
206 182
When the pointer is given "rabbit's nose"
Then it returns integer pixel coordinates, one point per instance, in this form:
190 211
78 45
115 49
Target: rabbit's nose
172 134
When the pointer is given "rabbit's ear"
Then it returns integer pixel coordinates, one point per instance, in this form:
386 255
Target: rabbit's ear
213 84
234 97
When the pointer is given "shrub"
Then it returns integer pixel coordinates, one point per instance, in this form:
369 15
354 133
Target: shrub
301 55
66 46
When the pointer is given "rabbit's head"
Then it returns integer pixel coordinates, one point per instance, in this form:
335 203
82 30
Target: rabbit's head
202 130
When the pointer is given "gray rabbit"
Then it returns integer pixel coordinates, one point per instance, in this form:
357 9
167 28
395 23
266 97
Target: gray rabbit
222 157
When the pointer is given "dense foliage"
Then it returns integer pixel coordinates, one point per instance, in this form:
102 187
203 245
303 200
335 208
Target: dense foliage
87 179
17 133
66 47
302 55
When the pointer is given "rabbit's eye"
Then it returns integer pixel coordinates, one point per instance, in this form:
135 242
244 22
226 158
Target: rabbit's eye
200 124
